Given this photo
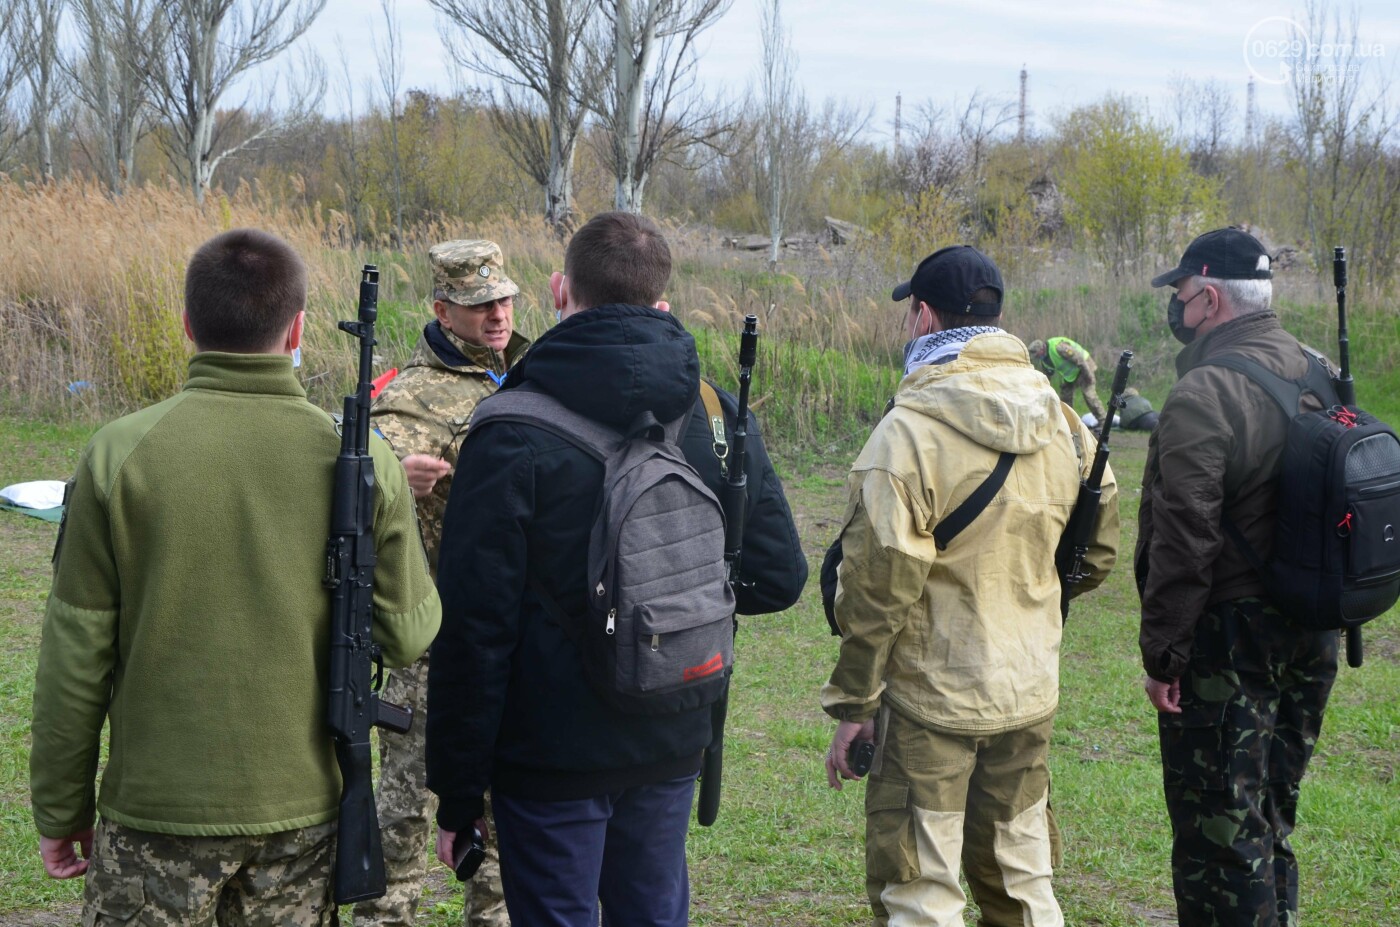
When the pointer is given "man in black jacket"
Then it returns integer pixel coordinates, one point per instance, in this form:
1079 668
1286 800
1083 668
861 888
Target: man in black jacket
591 805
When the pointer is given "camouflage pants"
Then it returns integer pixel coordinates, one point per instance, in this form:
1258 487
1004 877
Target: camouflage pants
935 800
163 880
1084 382
1252 700
406 810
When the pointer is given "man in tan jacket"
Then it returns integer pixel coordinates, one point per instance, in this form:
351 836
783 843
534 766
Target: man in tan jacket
950 652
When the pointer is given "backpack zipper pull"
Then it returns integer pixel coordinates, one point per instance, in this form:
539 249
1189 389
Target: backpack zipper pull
655 642
612 621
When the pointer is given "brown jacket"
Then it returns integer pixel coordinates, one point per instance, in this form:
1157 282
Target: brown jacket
1217 447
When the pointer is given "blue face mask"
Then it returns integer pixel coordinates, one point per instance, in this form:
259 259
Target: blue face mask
296 357
558 315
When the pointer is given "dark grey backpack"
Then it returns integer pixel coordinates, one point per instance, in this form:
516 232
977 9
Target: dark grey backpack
658 636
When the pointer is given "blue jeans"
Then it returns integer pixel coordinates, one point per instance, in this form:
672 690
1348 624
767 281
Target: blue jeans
625 850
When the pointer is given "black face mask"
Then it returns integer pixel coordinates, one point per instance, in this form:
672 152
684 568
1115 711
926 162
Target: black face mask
1176 317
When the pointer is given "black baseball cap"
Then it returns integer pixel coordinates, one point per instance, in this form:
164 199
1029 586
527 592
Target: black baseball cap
948 277
1225 254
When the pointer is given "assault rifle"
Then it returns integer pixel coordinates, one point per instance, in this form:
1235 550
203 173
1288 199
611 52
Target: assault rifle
734 499
1346 394
1074 543
356 669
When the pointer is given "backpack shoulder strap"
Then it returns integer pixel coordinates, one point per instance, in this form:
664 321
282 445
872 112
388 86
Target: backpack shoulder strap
1282 390
534 407
973 505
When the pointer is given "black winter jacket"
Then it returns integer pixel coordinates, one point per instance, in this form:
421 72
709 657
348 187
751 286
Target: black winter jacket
508 705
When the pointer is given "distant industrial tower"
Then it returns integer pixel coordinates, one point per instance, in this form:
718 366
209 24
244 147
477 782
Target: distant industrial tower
1021 112
1249 115
898 100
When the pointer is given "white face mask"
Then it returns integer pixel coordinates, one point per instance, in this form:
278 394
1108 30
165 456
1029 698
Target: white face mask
296 357
558 315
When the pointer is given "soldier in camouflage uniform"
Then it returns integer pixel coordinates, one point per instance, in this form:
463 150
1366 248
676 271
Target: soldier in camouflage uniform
1069 365
1239 691
460 359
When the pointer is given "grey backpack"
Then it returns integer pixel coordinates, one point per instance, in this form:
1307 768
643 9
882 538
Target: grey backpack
658 636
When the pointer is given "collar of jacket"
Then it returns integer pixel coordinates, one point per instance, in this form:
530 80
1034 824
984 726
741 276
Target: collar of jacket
452 352
268 374
1225 339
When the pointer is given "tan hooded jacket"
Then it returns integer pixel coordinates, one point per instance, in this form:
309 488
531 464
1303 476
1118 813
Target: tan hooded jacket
967 639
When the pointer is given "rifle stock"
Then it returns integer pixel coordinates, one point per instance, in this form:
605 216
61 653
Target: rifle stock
733 498
353 706
1079 533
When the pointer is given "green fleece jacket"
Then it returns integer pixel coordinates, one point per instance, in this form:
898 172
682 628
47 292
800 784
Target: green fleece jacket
187 608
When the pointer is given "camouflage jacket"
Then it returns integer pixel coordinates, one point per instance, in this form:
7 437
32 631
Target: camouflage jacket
426 408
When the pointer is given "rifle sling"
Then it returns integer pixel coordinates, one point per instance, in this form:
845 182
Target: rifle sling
715 414
973 505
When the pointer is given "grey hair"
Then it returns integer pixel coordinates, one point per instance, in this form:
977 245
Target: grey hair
1245 296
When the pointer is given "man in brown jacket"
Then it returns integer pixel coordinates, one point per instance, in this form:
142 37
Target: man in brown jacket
1240 692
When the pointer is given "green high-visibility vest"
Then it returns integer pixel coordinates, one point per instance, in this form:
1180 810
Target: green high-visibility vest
1064 370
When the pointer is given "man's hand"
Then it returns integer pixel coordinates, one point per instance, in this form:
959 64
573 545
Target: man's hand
423 472
1164 696
447 839
837 767
60 862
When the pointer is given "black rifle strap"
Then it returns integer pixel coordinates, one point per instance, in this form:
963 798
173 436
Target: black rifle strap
973 505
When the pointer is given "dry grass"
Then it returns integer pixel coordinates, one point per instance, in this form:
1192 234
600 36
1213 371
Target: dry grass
91 291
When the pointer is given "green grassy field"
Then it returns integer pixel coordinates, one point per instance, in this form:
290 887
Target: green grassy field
786 849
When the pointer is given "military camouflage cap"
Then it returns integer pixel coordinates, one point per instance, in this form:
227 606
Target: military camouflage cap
470 272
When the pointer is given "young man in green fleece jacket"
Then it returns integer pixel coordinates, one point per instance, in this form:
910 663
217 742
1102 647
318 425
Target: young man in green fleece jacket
187 608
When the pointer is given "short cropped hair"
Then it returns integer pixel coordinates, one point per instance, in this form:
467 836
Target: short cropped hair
1246 296
617 257
242 290
986 296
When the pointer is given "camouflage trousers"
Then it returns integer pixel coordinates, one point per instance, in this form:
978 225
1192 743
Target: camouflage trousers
163 880
1252 699
1084 382
406 810
936 800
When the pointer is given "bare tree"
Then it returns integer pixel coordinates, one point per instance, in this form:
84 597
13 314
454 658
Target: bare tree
650 107
782 112
40 21
1203 112
791 138
949 147
544 53
349 154
12 55
119 39
389 54
1343 128
212 44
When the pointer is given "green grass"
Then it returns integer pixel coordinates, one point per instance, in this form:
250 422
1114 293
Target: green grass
786 849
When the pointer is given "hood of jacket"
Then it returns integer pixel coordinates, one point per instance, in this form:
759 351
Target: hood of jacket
990 393
614 362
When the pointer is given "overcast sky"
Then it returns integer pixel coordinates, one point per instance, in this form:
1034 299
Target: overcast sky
867 51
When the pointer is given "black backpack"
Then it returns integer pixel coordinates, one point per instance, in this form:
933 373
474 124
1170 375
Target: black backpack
1336 558
658 636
